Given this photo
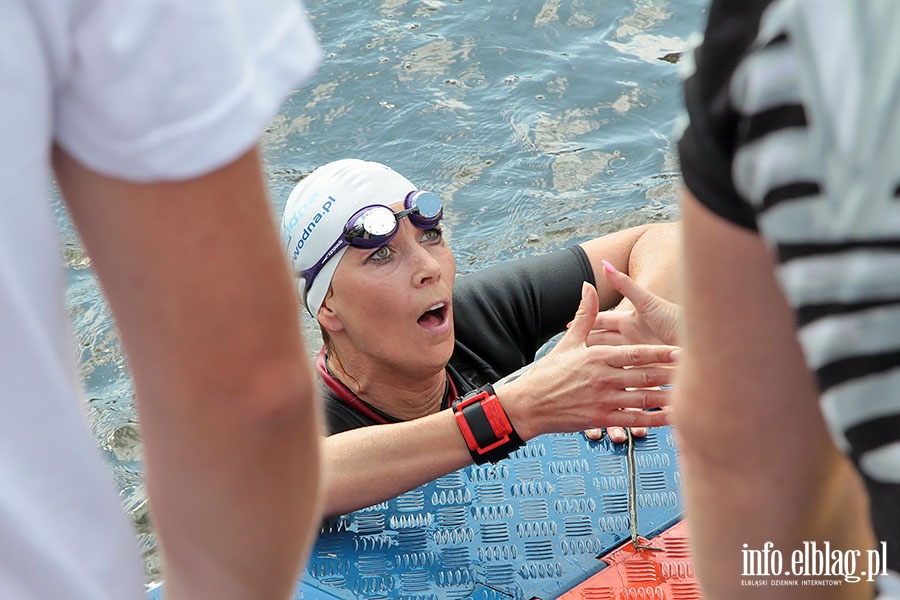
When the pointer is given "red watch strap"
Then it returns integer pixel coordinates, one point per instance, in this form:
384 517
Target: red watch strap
483 423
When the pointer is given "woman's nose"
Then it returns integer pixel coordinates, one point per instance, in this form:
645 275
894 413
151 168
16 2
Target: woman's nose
427 266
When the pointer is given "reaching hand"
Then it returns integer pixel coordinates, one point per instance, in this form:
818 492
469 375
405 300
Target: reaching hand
581 386
653 320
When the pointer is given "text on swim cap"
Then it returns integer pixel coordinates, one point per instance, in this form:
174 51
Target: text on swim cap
307 231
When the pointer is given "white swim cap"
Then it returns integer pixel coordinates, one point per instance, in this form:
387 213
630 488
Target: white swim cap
319 207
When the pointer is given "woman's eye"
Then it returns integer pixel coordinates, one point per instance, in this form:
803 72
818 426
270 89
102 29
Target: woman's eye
431 235
380 254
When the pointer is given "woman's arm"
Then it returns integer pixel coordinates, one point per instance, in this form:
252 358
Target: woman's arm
372 464
572 388
647 253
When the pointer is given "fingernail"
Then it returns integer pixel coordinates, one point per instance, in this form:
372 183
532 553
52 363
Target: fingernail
584 289
608 267
676 354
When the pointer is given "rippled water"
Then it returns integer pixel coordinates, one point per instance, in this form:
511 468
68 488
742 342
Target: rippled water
540 123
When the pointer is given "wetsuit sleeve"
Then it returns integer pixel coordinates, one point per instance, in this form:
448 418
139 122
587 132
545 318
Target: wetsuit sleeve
504 314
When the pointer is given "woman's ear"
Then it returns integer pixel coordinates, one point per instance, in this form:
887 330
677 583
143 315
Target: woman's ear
327 318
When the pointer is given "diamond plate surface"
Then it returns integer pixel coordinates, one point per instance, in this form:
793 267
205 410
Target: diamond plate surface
645 574
531 526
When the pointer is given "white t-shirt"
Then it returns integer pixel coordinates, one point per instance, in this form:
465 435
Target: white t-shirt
145 91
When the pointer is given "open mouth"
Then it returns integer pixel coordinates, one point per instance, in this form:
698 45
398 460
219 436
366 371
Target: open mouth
434 316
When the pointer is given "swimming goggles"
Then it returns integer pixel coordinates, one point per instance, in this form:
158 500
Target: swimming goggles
376 225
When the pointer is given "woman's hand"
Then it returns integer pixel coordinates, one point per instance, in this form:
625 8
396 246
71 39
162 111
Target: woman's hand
653 320
583 386
616 434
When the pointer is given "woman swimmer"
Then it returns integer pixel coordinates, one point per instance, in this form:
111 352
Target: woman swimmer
409 353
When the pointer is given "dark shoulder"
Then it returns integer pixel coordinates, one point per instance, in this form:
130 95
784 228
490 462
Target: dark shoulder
340 417
503 314
532 274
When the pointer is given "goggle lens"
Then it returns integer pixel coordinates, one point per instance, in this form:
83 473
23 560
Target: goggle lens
375 225
428 205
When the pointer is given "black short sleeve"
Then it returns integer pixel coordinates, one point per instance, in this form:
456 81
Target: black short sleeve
707 147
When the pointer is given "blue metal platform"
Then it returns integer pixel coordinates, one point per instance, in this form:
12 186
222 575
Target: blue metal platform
532 526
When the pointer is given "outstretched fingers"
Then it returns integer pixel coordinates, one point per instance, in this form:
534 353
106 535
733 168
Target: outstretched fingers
640 377
612 320
640 399
638 355
606 338
638 418
616 434
626 286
